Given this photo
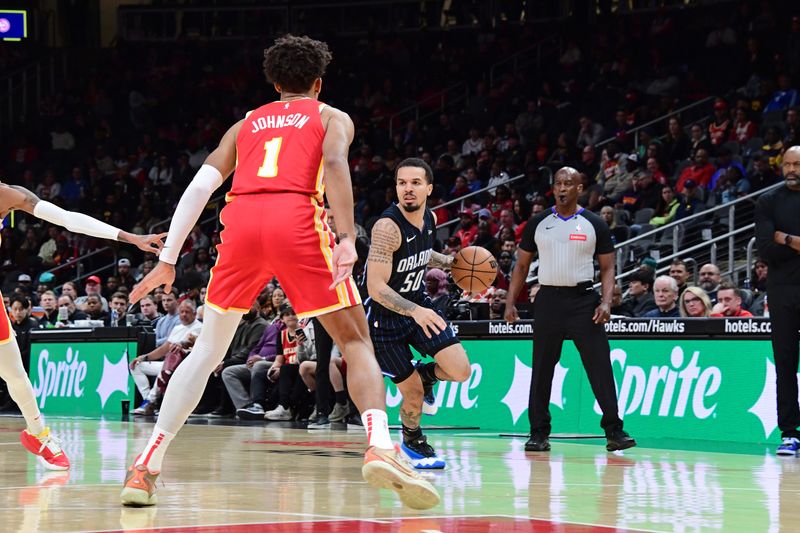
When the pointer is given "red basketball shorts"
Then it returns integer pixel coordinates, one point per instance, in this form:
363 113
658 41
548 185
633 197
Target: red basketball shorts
281 235
5 324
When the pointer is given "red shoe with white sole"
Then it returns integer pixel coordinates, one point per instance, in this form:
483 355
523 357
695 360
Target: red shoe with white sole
47 448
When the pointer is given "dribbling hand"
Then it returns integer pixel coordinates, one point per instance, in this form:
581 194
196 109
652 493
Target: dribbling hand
344 257
162 274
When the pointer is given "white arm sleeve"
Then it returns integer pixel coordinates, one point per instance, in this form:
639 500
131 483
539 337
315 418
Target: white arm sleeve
75 222
194 200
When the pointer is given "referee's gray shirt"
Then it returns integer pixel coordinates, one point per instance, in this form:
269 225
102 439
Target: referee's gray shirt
566 246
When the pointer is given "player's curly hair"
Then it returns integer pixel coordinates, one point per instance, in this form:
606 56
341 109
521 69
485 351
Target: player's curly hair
295 62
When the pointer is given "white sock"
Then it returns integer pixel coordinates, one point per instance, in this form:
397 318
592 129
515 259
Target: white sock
376 424
19 386
153 453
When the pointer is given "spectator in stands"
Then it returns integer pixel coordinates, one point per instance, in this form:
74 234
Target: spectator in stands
643 193
698 141
761 175
791 128
676 143
773 147
719 129
665 290
758 276
700 172
73 313
49 303
730 186
92 287
21 320
497 304
170 319
436 287
691 201
784 97
589 166
616 185
680 273
151 363
70 289
616 301
474 144
743 128
124 274
710 279
724 162
460 188
485 238
654 168
590 133
667 207
149 314
619 233
286 369
119 308
94 308
695 303
639 299
729 303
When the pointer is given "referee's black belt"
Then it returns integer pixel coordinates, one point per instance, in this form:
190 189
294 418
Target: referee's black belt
583 287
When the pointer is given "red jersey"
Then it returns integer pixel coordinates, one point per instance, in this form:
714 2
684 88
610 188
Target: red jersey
279 149
289 348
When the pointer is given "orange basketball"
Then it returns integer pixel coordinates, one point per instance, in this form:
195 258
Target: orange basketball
474 268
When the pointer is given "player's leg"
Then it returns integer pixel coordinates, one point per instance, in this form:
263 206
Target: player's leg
341 408
182 396
415 444
383 467
36 438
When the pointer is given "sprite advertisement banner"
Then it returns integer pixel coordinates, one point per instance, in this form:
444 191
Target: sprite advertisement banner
703 389
83 378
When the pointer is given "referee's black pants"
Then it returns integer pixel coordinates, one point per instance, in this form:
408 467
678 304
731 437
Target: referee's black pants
561 312
784 313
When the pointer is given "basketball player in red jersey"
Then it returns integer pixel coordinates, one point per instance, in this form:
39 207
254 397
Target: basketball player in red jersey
284 156
36 437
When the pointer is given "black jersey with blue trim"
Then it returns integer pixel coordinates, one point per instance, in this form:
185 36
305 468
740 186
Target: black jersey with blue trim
410 260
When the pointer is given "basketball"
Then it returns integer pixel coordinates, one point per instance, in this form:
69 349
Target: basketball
474 268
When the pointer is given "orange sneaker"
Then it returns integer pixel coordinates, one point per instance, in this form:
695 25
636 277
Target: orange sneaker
139 489
386 469
47 448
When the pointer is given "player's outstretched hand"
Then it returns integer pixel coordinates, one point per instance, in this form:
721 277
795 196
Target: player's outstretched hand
429 320
344 257
511 314
162 274
152 243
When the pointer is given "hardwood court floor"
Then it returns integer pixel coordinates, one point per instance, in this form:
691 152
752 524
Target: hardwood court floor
235 478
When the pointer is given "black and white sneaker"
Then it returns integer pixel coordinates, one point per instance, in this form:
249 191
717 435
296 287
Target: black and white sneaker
421 455
251 412
428 399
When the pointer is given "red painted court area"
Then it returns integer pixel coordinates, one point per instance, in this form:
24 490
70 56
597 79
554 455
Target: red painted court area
407 525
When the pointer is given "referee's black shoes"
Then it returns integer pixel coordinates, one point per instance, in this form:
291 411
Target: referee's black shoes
537 443
618 439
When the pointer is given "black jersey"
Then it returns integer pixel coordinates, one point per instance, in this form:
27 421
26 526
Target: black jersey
409 262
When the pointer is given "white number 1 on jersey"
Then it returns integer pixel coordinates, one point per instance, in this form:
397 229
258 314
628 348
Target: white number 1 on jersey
269 169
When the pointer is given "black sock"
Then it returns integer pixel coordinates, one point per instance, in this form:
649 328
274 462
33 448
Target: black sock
427 372
410 435
341 397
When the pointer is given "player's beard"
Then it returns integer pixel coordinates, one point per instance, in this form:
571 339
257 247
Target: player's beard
410 208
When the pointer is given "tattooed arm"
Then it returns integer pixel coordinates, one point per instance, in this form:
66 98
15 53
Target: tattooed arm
440 261
386 240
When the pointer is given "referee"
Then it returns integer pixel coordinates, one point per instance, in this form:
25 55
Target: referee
778 241
567 238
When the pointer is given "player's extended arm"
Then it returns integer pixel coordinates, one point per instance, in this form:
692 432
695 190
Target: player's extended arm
386 240
13 197
442 261
518 276
217 167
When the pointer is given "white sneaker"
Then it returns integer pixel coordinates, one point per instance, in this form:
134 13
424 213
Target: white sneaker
279 413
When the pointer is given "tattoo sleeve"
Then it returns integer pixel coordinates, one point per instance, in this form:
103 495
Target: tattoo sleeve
29 200
385 240
440 261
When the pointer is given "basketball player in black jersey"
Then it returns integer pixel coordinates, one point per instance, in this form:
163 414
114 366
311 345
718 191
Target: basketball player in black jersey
399 312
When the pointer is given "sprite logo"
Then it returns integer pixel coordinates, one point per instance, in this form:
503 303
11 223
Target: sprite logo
447 393
666 390
59 379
